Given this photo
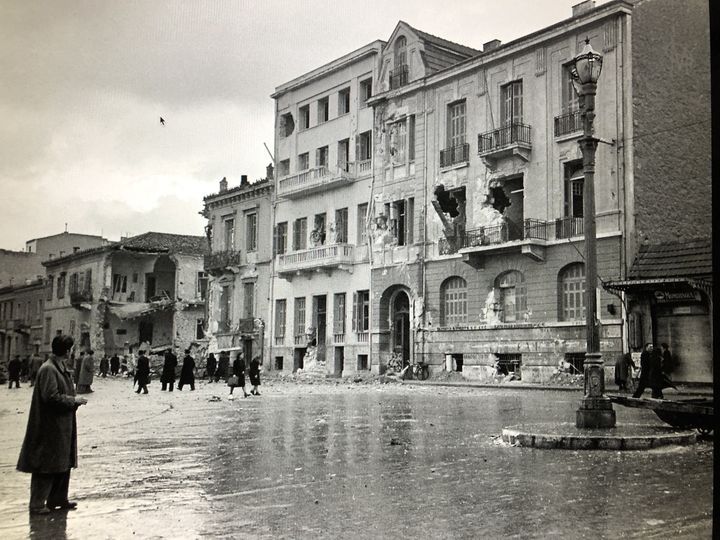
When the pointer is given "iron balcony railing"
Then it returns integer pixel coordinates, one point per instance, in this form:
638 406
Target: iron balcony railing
498 139
568 227
459 153
219 260
509 231
399 76
568 123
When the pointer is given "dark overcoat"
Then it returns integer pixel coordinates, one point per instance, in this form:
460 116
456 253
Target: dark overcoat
238 369
254 372
650 369
168 372
50 444
14 367
187 373
142 371
86 373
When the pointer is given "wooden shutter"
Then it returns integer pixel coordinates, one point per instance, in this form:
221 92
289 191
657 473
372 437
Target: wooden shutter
355 318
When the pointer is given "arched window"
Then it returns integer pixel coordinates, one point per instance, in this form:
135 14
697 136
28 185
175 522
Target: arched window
512 295
453 302
571 293
400 52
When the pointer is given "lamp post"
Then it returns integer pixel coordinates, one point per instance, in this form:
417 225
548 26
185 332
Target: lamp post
595 409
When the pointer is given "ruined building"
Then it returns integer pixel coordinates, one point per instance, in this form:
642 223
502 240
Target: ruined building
238 266
147 289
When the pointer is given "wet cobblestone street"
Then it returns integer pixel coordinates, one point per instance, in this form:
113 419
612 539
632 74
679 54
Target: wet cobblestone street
353 461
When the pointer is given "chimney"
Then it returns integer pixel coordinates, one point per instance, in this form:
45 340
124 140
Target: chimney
583 7
244 180
490 45
223 185
269 171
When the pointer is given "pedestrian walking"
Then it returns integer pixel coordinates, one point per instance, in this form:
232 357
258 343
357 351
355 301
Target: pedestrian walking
254 373
167 378
14 368
222 368
25 370
104 366
650 373
86 374
49 449
210 367
77 366
187 372
142 373
114 365
35 363
124 370
623 371
238 376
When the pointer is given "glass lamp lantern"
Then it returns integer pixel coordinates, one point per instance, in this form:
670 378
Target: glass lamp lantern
587 65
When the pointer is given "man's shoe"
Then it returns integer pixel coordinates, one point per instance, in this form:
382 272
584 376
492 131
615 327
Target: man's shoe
67 505
39 511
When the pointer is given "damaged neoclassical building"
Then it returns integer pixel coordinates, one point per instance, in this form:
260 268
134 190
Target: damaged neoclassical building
145 290
429 201
238 266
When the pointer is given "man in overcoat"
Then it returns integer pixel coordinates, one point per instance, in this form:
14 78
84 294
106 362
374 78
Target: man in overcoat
167 378
49 450
142 373
650 373
187 372
14 368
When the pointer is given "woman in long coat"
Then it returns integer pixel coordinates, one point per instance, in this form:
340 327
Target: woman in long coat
238 373
254 373
142 373
86 373
187 373
49 449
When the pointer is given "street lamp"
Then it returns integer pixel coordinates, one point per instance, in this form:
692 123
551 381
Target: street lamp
595 409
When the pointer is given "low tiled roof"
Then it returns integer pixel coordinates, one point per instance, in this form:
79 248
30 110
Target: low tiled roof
166 243
674 260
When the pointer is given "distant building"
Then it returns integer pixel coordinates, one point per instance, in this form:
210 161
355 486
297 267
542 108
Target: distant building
147 289
238 267
19 266
21 319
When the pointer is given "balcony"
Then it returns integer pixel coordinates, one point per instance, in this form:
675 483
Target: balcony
455 155
511 140
217 261
569 227
356 169
312 181
566 124
399 77
316 259
81 298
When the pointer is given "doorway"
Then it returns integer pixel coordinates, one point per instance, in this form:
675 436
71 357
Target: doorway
247 349
298 358
320 324
401 325
339 361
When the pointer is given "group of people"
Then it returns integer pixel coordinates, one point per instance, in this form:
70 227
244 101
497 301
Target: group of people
656 365
215 370
25 369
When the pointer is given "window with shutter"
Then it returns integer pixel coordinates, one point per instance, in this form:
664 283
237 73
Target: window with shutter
339 313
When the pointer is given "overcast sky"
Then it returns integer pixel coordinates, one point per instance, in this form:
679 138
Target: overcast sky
84 83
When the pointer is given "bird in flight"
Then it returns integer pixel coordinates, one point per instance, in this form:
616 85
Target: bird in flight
162 120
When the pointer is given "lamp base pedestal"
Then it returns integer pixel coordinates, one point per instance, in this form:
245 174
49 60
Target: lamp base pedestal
595 410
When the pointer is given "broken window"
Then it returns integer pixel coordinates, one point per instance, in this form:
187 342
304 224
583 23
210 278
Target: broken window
304 161
512 295
509 364
202 283
401 220
321 157
199 328
119 284
365 91
304 114
450 207
343 101
318 234
323 112
453 302
287 125
283 168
